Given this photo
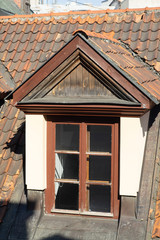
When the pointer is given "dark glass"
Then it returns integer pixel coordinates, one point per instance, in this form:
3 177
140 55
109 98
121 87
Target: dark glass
66 196
99 198
99 138
67 137
100 168
67 166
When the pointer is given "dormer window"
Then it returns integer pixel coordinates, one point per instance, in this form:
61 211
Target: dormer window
84 164
89 105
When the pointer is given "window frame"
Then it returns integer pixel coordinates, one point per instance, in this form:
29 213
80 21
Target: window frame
82 122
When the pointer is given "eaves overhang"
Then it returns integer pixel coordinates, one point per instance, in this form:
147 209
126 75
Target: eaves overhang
82 110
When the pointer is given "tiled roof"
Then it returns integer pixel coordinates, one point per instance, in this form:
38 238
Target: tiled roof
6 81
11 151
128 62
27 42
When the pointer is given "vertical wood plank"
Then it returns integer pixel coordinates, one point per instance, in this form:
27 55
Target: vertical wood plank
116 171
83 165
73 82
49 192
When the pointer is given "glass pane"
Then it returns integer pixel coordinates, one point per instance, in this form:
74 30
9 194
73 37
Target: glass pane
100 168
99 138
67 137
66 196
67 166
99 198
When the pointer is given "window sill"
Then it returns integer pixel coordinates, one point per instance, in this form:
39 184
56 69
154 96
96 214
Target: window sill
85 213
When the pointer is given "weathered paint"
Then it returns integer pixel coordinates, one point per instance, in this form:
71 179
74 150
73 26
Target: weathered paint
35 152
133 132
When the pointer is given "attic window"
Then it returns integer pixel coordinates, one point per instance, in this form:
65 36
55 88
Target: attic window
83 156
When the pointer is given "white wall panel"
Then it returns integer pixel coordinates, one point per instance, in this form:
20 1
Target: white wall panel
35 152
133 132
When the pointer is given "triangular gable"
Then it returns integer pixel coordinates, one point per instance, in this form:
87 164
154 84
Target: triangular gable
82 84
60 78
74 81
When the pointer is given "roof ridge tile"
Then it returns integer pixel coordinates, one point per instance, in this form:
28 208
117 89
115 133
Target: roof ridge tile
107 36
51 16
83 12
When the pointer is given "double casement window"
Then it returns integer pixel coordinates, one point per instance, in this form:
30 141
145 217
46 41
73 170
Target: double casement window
84 162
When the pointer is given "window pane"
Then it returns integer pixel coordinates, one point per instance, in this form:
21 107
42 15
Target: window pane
66 195
100 168
67 137
99 138
99 198
67 166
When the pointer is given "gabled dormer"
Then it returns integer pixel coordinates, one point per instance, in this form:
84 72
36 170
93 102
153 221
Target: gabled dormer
81 73
79 106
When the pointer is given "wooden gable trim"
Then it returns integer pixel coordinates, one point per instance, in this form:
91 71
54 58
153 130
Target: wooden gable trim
54 77
92 56
82 110
45 70
66 68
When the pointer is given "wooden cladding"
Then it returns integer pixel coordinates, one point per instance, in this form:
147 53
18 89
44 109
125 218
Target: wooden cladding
82 168
80 82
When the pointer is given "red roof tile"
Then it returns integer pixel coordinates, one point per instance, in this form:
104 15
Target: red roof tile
11 161
34 36
130 64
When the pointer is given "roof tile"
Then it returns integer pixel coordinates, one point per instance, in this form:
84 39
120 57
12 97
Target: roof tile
2 180
158 56
14 167
2 122
155 35
12 113
18 157
144 36
136 26
4 137
4 166
6 192
135 36
150 55
155 26
6 153
146 26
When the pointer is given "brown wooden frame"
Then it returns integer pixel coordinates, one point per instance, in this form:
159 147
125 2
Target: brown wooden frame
83 110
49 193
